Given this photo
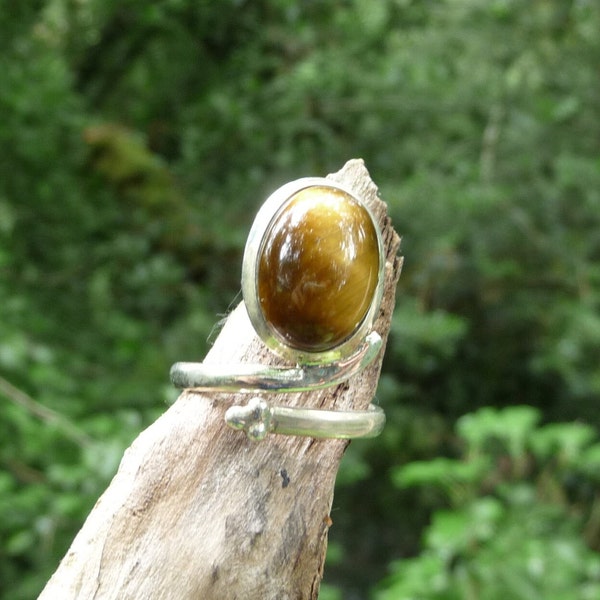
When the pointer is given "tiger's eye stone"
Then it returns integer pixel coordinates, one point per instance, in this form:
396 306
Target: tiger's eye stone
318 269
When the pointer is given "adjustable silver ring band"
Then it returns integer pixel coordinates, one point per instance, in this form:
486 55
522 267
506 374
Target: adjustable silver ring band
258 419
264 378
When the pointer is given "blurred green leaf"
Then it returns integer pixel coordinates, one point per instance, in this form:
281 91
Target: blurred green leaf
511 426
443 472
565 442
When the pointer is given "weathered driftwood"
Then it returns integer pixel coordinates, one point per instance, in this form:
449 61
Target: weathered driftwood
196 510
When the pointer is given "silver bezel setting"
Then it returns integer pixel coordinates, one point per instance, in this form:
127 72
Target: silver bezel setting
263 221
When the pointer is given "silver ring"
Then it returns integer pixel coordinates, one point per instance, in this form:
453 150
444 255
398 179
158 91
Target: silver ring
312 282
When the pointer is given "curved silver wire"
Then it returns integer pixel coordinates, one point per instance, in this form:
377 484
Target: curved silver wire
250 378
258 418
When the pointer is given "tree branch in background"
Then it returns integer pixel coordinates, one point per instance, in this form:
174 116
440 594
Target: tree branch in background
38 410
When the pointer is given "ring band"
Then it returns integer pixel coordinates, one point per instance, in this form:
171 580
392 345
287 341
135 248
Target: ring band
252 378
258 418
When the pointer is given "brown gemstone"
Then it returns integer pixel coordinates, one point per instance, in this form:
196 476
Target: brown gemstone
318 269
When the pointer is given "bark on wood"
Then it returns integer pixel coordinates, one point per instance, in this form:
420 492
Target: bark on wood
196 510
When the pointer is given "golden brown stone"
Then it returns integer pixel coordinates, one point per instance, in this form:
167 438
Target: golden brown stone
318 269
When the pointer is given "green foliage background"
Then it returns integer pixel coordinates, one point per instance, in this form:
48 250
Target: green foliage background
138 139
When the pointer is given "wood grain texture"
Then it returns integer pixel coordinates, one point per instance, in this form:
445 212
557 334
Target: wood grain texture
196 510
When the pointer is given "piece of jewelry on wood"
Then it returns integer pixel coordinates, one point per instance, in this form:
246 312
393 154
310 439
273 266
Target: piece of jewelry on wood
312 282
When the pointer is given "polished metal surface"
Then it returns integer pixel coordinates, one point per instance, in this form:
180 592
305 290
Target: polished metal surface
252 378
257 419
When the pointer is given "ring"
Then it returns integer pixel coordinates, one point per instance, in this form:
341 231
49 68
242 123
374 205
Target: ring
312 283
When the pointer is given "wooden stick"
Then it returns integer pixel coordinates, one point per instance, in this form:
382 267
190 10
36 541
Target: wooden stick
196 510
